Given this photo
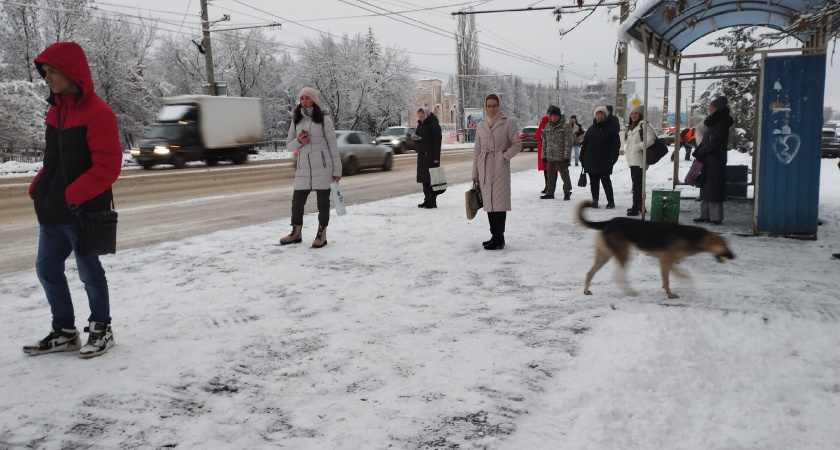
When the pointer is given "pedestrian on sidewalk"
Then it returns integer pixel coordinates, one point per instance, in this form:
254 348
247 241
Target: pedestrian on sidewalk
312 135
496 143
82 159
558 139
428 137
712 152
578 130
640 135
598 153
540 160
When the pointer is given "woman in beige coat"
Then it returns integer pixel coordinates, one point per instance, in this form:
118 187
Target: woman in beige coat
496 142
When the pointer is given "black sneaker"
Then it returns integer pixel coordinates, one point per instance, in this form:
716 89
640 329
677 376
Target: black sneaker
99 341
59 340
610 205
547 196
567 196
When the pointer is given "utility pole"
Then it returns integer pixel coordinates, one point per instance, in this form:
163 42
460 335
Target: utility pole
621 70
461 63
208 50
557 88
693 86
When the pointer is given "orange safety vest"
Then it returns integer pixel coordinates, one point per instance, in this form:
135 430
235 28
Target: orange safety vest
687 135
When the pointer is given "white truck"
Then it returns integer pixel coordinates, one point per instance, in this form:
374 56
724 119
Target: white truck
202 128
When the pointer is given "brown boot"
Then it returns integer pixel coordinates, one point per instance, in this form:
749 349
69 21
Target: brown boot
320 238
293 237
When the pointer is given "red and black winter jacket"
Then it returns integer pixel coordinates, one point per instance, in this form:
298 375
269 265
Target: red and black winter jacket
90 154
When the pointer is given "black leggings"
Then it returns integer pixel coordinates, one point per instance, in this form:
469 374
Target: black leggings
594 180
636 177
299 201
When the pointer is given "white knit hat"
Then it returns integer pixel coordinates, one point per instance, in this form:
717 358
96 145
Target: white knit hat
602 109
309 92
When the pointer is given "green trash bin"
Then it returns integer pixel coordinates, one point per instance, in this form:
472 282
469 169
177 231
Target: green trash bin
665 206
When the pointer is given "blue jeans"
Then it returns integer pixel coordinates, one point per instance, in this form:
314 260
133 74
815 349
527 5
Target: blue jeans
576 148
54 246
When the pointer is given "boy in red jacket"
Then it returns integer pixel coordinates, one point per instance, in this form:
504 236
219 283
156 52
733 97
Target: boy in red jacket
82 160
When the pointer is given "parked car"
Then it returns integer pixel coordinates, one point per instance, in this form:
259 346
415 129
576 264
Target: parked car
830 143
398 138
528 136
668 138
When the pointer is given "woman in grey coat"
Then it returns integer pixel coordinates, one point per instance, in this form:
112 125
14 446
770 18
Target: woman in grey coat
496 142
312 135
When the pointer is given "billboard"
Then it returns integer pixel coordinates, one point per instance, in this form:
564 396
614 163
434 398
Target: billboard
448 133
472 116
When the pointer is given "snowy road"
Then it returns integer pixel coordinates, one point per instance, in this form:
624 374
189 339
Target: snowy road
167 205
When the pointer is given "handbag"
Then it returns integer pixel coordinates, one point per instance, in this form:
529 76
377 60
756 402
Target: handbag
656 151
337 199
97 229
693 175
582 179
438 178
97 233
473 201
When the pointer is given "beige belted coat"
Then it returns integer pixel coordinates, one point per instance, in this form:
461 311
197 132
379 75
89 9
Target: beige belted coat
494 148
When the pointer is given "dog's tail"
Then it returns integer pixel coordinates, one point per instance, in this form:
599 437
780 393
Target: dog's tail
582 220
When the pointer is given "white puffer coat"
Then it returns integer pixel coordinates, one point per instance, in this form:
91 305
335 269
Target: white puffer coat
318 161
633 145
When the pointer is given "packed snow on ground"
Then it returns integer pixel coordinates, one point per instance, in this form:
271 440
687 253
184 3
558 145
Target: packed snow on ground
404 333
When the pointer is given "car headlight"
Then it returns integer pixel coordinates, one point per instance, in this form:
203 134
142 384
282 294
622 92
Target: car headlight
395 141
161 150
134 151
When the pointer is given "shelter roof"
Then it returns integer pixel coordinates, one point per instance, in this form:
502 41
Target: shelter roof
703 17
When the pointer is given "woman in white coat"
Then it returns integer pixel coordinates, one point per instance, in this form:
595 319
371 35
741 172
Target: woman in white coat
640 135
496 142
312 135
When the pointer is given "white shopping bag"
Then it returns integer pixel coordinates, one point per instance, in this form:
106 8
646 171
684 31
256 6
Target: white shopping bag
438 178
337 199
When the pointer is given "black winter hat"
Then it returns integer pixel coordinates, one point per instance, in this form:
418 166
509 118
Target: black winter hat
720 102
555 110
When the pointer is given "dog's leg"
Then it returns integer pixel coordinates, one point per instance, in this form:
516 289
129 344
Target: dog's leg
665 267
602 256
622 255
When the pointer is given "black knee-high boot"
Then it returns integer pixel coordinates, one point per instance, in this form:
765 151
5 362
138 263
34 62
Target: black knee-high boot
497 228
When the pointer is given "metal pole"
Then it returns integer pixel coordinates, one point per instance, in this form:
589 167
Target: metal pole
677 144
647 119
208 51
460 39
621 71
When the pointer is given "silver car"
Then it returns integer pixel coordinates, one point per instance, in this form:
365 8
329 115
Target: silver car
359 150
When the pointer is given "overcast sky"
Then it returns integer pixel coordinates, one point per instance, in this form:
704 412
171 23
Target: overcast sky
526 44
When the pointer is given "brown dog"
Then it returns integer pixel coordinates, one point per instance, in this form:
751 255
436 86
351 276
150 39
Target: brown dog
669 242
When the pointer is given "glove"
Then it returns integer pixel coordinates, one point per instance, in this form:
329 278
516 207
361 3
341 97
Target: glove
544 160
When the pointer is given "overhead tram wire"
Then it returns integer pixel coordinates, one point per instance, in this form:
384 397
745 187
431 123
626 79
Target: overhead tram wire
313 29
487 30
113 16
449 34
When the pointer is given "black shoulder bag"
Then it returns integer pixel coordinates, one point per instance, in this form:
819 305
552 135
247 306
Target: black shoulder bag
97 229
657 149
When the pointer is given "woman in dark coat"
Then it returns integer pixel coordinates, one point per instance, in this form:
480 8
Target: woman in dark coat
598 154
712 153
428 136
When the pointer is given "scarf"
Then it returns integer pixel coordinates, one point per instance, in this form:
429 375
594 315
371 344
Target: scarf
492 119
426 112
307 111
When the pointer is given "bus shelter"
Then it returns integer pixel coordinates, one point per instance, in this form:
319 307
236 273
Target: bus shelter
786 152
